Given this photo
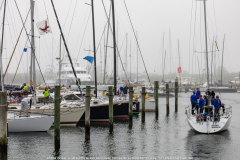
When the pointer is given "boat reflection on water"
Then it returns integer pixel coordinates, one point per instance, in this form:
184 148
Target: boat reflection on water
204 146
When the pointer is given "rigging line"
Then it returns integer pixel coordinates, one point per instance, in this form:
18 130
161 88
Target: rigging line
19 63
116 44
80 30
69 57
190 39
66 19
137 43
215 16
84 34
15 45
33 49
72 20
14 29
1 5
45 7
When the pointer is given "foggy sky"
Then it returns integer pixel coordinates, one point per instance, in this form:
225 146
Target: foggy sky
175 19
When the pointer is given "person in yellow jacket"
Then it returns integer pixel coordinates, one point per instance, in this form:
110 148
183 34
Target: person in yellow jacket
46 95
25 86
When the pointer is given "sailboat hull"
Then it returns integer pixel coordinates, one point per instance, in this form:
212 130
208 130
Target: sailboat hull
209 127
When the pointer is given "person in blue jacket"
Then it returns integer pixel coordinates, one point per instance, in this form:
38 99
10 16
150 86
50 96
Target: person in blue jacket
217 104
198 93
201 107
193 100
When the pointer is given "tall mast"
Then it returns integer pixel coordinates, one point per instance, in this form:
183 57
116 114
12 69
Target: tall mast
3 23
212 62
222 60
180 66
137 59
94 49
33 51
130 61
75 75
59 73
205 21
126 53
114 48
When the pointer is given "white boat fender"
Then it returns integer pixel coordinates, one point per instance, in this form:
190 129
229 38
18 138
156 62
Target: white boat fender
221 111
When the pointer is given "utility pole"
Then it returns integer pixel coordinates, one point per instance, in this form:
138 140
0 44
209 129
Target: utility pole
114 49
3 23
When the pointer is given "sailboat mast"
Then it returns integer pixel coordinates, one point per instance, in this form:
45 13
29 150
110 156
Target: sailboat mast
33 51
114 48
205 21
212 62
94 49
59 72
222 60
179 66
137 60
130 61
65 44
2 79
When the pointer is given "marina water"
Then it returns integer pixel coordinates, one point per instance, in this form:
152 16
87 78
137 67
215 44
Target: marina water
169 137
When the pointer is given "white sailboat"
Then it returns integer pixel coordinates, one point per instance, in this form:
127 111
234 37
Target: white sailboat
213 122
33 123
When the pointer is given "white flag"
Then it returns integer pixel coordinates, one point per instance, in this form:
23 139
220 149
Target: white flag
44 27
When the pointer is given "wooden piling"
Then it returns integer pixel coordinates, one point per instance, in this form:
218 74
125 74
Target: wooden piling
143 104
156 98
110 94
3 119
87 113
167 99
130 113
176 94
57 117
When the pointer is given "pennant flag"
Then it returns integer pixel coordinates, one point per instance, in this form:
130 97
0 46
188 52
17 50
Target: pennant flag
89 59
25 49
179 69
44 27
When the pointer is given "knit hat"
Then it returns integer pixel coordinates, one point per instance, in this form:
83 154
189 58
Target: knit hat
200 96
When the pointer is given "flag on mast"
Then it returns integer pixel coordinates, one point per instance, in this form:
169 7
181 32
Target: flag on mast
179 69
89 59
44 27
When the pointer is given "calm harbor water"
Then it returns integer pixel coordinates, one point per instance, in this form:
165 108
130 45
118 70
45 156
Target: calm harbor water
168 137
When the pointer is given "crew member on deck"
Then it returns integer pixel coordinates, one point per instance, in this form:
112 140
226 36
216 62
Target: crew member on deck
25 86
193 101
217 104
198 93
46 95
201 107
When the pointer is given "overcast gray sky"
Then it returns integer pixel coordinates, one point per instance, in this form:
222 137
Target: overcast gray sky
175 19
